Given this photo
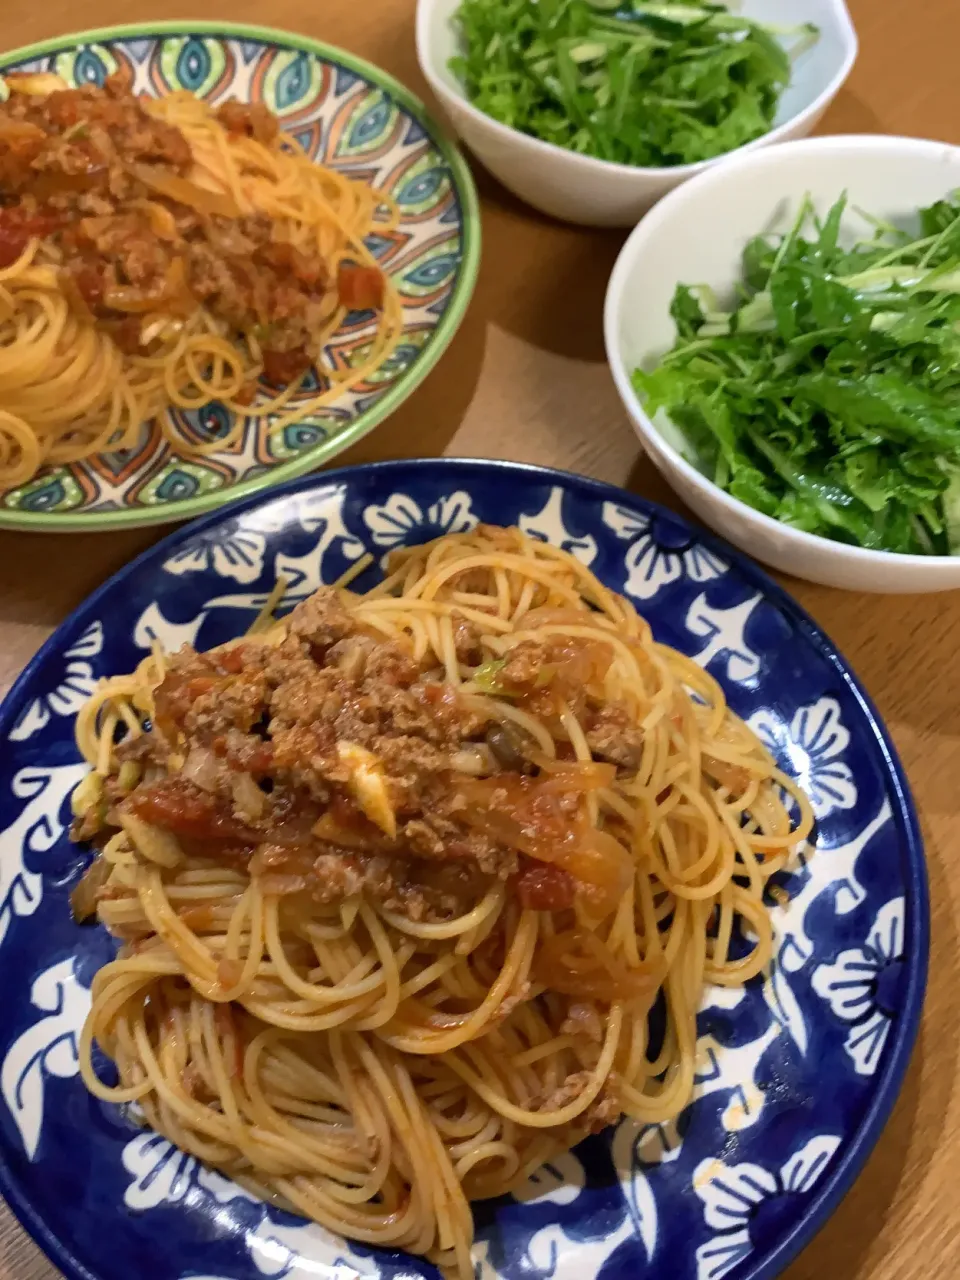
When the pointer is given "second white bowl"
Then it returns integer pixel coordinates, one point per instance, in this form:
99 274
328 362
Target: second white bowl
599 193
697 236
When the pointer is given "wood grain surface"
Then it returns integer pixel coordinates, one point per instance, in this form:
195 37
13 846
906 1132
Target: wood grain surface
526 379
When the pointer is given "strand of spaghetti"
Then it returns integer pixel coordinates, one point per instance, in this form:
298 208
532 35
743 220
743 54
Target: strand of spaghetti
563 1115
386 605
491 902
392 963
345 993
428 587
516 966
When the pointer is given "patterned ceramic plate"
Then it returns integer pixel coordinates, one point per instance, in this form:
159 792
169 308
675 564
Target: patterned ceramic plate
797 1073
350 115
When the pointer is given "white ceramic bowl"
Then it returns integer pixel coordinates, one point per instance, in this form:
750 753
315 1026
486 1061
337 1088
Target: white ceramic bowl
696 236
598 193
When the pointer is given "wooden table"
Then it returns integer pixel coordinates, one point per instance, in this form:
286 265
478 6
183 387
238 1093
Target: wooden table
526 379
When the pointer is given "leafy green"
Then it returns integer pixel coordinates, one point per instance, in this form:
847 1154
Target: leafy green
830 397
652 84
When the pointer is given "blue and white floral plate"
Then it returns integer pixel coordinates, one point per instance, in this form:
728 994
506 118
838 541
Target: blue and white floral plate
797 1074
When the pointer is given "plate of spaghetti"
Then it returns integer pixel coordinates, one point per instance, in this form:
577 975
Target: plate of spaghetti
503 879
226 253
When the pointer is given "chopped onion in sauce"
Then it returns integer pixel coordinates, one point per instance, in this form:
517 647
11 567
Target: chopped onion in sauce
368 786
152 842
533 815
201 767
167 183
247 796
162 222
474 759
579 963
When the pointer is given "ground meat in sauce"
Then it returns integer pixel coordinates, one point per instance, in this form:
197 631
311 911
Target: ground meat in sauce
571 1088
613 735
524 663
337 877
466 641
276 713
253 120
583 1020
125 249
605 1110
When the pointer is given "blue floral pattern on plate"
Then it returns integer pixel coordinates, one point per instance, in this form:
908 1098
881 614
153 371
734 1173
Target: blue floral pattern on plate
350 116
796 1073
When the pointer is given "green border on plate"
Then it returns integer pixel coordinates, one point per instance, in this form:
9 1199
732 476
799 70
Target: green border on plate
136 517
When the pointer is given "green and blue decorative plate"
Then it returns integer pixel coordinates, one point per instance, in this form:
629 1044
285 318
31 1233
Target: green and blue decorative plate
349 115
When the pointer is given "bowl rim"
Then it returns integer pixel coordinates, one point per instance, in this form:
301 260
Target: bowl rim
441 337
616 300
592 165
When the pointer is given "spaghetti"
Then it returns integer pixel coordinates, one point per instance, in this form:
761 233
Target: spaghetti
158 254
416 888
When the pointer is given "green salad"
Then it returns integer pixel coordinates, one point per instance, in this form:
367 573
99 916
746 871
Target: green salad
830 397
652 84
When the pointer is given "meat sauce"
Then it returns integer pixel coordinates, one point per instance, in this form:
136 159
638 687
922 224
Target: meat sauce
327 764
107 186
